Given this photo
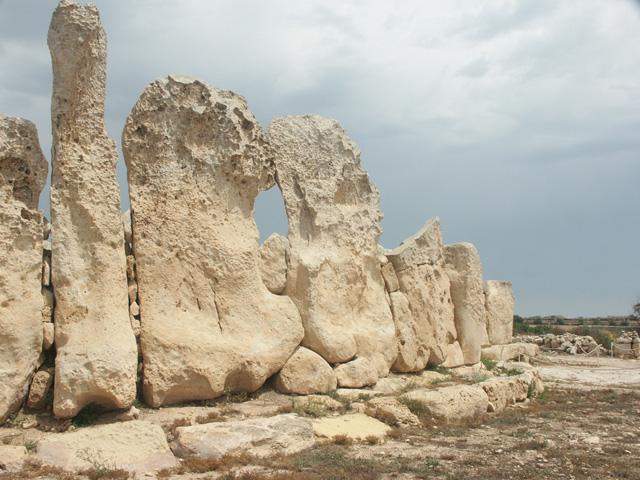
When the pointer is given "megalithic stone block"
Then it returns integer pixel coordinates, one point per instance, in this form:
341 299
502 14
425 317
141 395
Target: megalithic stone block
196 160
465 272
334 224
427 327
96 349
23 172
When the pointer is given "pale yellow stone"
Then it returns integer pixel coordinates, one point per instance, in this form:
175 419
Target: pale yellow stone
463 266
499 304
419 266
23 172
96 350
196 159
334 224
356 426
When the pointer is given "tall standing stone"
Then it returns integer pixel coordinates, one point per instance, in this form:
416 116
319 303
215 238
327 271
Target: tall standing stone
334 224
196 160
419 266
465 272
96 349
23 172
499 303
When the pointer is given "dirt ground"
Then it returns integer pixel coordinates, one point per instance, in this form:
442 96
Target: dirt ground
586 425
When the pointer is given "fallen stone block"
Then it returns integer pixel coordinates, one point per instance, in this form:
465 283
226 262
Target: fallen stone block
452 404
137 446
262 437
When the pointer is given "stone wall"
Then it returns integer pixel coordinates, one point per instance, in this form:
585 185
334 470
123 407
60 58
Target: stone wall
174 300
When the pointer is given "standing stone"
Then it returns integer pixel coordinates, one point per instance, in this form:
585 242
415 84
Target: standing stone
334 224
273 262
499 304
23 172
465 272
96 350
419 266
196 159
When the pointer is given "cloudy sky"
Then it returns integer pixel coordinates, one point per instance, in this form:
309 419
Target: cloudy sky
517 122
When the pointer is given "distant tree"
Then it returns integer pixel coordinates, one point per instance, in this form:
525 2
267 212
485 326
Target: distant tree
636 311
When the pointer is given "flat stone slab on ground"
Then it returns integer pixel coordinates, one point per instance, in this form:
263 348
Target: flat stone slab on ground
357 426
262 437
137 446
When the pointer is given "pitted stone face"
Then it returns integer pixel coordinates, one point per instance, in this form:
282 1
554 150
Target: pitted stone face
196 159
425 327
96 350
23 172
334 225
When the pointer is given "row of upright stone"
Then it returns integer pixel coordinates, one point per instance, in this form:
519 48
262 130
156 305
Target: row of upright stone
189 303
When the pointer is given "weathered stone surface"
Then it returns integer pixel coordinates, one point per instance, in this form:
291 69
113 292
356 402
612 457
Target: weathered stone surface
357 426
356 373
48 335
284 434
12 457
392 412
390 277
274 252
419 266
455 358
510 351
334 225
48 303
413 354
137 446
96 350
306 373
499 302
504 391
23 172
453 404
196 160
40 385
462 264
126 226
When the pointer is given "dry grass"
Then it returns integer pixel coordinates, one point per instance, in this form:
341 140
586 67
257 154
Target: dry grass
342 439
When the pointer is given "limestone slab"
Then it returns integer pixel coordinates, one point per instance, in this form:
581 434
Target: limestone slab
137 446
499 302
196 159
96 350
334 218
23 172
283 434
357 426
462 263
419 266
453 403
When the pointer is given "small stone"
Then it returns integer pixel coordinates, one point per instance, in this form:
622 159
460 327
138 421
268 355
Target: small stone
48 335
